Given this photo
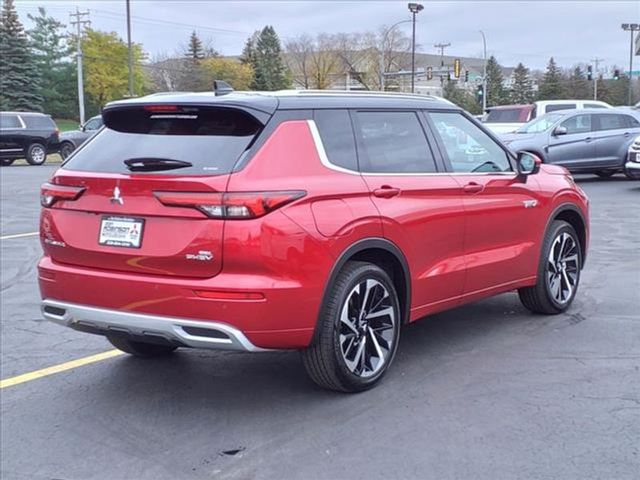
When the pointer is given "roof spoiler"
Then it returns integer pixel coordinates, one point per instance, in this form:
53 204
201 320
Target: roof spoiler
221 88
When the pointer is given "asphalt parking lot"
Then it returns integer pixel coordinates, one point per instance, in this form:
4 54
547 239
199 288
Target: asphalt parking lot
487 391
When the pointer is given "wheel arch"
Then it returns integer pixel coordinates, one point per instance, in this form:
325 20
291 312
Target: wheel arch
571 214
387 256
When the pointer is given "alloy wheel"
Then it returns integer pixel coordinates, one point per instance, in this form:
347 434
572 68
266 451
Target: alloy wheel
563 268
367 329
38 154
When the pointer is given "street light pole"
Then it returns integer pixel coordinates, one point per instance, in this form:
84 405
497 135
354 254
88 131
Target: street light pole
631 27
383 42
484 73
414 8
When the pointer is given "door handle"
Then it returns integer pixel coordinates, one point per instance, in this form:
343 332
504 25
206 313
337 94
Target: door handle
587 140
473 187
626 134
386 191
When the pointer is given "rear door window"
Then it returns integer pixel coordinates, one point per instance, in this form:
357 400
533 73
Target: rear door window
393 142
9 121
203 140
611 121
41 122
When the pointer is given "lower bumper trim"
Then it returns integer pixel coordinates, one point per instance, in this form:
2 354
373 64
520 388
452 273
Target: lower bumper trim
184 332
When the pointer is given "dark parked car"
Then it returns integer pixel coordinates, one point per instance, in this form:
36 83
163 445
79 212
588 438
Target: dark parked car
583 141
69 141
27 135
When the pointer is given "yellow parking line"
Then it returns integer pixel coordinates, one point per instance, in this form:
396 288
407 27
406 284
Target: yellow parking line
19 235
62 367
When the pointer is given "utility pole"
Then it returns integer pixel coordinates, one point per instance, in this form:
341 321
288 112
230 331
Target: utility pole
442 46
80 20
596 62
631 28
484 73
129 47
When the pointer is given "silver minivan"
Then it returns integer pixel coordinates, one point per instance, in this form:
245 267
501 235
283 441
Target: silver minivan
584 141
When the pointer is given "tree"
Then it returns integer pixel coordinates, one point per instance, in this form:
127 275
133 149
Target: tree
106 67
577 85
522 91
270 70
195 50
57 74
551 87
496 94
298 57
614 92
249 51
461 98
19 76
235 73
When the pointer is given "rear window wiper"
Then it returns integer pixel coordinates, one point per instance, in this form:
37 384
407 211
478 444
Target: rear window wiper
154 164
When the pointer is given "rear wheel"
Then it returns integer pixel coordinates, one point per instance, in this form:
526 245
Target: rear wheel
66 149
605 173
5 162
558 271
140 349
358 330
36 154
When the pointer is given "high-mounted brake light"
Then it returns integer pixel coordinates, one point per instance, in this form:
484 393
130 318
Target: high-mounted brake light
232 206
50 193
161 108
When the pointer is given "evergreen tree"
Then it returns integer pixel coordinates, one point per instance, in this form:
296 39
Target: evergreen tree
192 78
496 94
270 70
19 76
577 86
614 92
522 91
551 87
57 74
249 51
461 98
195 50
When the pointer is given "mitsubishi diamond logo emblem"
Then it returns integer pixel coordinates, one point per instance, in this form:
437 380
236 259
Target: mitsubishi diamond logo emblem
116 197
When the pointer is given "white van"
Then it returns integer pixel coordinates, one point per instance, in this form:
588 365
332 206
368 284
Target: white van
508 118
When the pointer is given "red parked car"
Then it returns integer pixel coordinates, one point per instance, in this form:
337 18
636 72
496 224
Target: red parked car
299 220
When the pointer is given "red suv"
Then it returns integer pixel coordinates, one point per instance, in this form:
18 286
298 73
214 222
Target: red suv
299 220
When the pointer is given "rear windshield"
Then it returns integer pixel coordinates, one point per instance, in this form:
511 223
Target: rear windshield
504 115
208 141
39 121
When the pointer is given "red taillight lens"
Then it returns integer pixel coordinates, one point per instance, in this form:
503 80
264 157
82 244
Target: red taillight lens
161 108
50 193
235 205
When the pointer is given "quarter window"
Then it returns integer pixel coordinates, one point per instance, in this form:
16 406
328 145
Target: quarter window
560 106
468 148
578 124
336 133
394 142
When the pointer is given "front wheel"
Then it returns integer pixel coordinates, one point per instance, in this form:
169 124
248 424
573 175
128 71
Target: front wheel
36 154
66 149
358 330
140 349
558 271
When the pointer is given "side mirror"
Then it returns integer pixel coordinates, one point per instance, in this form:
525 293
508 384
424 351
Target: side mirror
560 130
528 163
81 127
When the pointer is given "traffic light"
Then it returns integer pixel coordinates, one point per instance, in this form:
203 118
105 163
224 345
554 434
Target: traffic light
589 73
429 73
616 74
456 68
479 93
466 76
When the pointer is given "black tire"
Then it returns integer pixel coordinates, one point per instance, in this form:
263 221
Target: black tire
36 154
540 298
140 349
325 360
66 149
605 173
5 162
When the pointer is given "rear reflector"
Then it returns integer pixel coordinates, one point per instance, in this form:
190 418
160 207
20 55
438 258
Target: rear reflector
219 295
50 193
235 205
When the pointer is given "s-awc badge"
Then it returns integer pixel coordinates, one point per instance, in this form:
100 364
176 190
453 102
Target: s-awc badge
121 232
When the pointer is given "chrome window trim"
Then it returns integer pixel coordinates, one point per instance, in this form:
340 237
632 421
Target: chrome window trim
317 140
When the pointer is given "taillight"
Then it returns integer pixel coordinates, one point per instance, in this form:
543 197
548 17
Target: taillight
50 193
234 205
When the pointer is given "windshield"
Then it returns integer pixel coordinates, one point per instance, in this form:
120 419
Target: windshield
540 124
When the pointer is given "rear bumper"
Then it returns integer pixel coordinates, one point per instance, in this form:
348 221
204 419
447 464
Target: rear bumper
179 331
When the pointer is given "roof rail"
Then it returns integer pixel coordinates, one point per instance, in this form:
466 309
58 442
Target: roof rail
356 92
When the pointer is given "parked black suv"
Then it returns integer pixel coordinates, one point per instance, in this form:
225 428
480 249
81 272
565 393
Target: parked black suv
27 135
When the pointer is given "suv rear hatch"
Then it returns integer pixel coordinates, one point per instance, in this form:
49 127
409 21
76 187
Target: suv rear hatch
132 198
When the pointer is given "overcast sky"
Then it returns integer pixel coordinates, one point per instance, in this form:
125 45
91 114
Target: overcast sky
528 31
